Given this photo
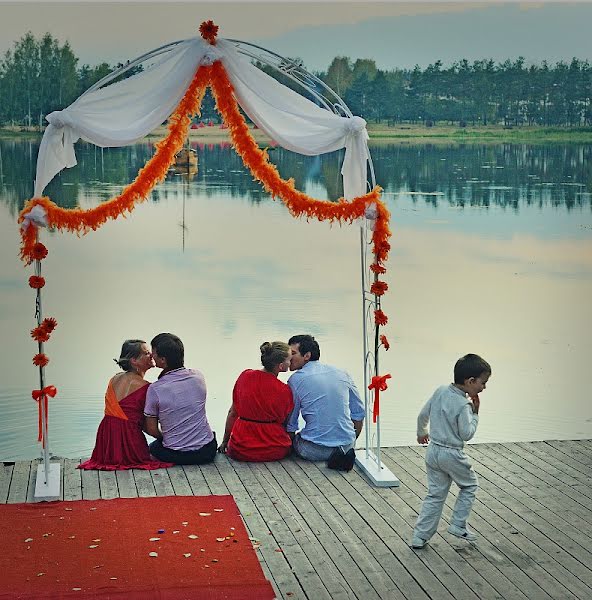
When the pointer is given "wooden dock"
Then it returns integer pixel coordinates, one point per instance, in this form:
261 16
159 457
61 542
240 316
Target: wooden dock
326 534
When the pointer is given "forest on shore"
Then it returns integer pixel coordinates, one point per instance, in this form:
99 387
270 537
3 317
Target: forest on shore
40 75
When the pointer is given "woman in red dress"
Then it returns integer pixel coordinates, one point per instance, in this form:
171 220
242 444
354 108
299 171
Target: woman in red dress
120 442
261 403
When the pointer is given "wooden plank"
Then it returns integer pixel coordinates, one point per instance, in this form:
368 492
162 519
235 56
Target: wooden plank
126 484
162 482
283 579
513 516
510 524
383 514
481 553
108 485
5 477
213 479
285 524
196 480
294 509
573 450
179 481
90 485
144 483
374 531
334 534
72 480
19 483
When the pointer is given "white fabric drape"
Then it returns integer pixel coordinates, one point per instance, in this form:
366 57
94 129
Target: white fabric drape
124 112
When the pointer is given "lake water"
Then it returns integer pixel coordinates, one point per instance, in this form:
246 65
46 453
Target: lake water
492 253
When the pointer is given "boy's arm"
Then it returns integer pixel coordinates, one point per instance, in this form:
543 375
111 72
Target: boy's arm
422 423
467 422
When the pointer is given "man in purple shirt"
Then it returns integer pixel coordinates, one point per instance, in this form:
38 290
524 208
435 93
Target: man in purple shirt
175 408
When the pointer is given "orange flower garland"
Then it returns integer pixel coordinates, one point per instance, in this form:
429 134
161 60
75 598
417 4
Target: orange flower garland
384 341
380 318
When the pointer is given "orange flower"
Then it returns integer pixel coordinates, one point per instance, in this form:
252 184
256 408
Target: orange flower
40 334
380 318
49 324
39 251
36 282
40 360
209 31
378 288
384 342
378 269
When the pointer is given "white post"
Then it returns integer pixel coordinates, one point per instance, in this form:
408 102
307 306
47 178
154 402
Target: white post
47 483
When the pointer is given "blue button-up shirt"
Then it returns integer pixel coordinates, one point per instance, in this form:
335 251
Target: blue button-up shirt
328 400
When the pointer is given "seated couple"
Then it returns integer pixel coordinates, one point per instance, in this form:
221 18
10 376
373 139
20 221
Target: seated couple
172 410
262 422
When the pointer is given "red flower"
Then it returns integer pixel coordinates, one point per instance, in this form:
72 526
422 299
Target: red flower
384 342
378 269
49 324
209 31
40 360
39 251
40 334
378 288
380 318
36 282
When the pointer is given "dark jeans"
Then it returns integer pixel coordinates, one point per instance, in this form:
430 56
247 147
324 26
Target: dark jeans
205 454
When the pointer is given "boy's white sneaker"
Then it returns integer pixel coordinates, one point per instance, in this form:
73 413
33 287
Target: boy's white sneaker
417 542
462 532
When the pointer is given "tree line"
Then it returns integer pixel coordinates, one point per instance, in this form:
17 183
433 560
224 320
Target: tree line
38 76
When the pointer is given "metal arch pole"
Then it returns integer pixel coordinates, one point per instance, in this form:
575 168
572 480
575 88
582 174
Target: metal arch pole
364 337
47 482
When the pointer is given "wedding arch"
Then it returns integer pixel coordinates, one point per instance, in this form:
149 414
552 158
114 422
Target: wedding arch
171 85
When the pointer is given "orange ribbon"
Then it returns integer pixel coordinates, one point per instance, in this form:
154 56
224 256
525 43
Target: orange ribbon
378 385
38 396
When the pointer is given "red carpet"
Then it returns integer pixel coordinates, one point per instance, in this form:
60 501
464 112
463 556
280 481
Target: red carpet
101 549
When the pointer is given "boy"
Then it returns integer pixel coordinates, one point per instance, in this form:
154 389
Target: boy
453 414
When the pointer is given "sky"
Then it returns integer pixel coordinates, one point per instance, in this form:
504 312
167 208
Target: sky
394 34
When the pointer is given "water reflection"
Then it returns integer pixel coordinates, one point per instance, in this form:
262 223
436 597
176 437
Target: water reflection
492 252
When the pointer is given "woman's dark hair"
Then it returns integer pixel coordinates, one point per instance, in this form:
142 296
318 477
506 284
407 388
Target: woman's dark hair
470 365
306 344
130 349
273 354
169 346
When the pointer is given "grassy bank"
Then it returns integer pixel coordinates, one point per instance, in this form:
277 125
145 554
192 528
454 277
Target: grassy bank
404 134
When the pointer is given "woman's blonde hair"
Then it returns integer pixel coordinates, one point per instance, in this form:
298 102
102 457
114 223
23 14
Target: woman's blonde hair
273 353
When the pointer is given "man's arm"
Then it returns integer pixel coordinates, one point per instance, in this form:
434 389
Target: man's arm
358 427
151 427
292 423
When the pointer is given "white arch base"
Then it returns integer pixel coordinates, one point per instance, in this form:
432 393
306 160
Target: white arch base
47 482
375 471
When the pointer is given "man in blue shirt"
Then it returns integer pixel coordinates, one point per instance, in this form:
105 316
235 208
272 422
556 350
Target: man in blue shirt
328 400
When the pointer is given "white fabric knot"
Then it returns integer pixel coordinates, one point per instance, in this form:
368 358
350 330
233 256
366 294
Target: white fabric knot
371 213
354 125
37 215
55 119
211 55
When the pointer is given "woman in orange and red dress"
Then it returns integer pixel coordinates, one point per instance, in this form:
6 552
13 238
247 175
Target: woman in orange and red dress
261 403
120 442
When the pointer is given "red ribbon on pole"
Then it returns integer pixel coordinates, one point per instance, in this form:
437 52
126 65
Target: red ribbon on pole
42 396
378 385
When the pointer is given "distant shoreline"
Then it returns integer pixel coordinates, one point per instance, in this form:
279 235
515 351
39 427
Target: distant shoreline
396 134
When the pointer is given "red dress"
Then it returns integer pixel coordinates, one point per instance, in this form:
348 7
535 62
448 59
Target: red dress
263 404
120 442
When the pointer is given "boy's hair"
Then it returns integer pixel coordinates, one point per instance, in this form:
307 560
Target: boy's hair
169 346
470 365
306 343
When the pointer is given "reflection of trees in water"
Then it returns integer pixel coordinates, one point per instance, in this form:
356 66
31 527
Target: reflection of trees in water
505 175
